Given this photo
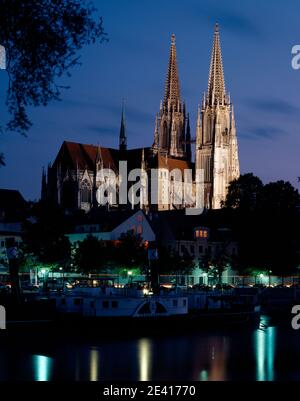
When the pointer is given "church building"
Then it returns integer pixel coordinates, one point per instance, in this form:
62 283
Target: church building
75 179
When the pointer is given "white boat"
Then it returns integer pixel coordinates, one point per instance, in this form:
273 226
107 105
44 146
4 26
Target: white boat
116 302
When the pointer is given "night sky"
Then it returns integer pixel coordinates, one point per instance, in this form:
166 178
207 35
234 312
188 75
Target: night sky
256 38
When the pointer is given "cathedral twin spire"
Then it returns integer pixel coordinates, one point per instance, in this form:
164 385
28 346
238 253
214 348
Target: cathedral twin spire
216 142
216 92
172 131
172 93
170 126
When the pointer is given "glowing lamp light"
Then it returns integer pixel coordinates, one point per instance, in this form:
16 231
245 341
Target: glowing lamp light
129 273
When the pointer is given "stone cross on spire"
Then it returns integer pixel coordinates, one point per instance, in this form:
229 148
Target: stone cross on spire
172 93
216 83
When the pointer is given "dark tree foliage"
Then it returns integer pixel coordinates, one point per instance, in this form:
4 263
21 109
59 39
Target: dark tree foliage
90 255
42 38
170 262
44 236
131 251
244 192
266 221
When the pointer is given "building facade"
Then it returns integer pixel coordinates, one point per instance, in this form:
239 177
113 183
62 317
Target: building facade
86 176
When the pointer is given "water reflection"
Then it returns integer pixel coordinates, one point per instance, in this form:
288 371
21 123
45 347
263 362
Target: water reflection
94 364
144 358
264 344
246 353
42 366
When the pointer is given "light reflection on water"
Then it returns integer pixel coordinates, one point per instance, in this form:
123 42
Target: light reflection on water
94 365
144 358
42 367
206 356
264 344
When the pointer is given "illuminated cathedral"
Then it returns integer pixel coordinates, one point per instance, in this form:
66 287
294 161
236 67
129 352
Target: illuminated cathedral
74 179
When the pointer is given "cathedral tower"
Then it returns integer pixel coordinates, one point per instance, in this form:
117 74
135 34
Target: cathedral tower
216 141
170 126
123 137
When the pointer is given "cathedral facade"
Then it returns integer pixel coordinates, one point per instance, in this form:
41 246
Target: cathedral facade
216 140
80 172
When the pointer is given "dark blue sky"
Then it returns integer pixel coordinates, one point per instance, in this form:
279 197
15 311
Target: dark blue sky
256 38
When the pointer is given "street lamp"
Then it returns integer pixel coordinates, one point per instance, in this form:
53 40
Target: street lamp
62 277
270 272
261 278
129 273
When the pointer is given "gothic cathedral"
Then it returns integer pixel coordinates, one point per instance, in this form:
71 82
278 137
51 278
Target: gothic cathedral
74 179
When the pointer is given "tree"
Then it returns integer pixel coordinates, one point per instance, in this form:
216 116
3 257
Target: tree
44 236
131 251
280 196
220 263
265 219
170 262
90 255
244 192
41 39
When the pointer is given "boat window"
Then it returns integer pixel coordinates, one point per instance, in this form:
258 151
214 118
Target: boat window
105 304
175 302
114 304
77 301
184 302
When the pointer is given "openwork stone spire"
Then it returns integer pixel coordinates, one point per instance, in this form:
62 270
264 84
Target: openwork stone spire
216 83
123 137
172 93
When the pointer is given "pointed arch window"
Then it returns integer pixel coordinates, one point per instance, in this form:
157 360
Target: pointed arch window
86 193
165 141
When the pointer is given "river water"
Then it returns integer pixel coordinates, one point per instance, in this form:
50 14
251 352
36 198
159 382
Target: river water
268 352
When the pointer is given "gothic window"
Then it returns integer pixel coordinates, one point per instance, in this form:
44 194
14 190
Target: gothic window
68 195
165 136
208 129
86 196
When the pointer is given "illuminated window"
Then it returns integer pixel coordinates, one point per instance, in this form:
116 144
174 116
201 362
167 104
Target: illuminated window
201 233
